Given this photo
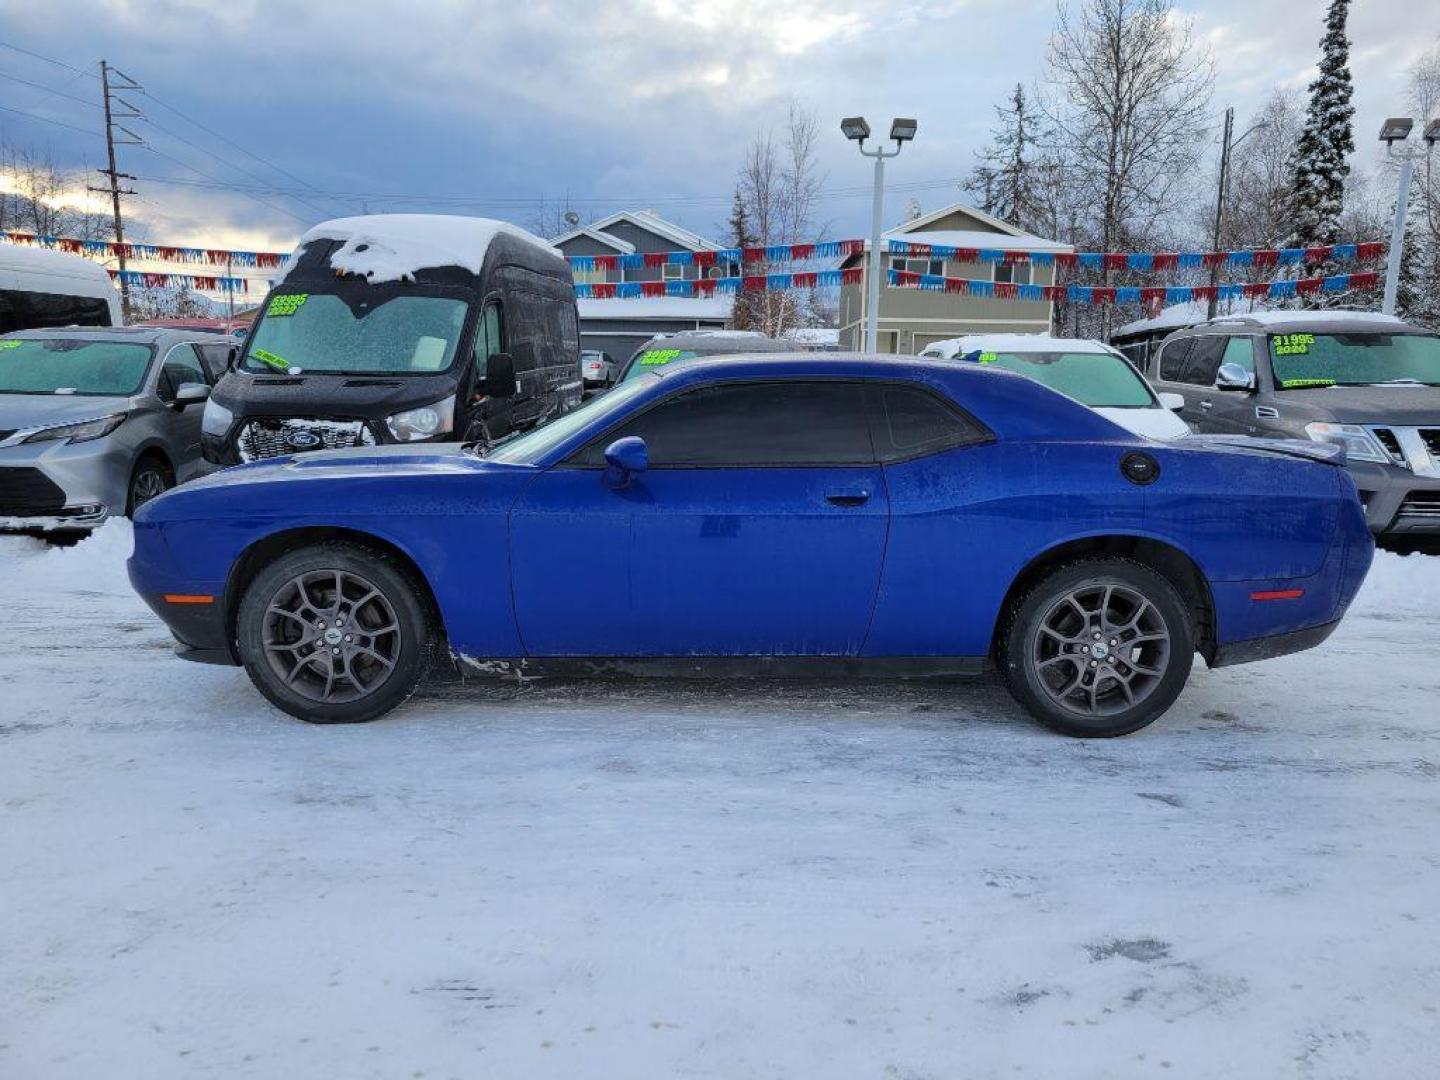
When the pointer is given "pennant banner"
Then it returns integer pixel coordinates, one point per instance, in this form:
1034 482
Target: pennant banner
140 279
1146 262
108 249
1121 294
825 249
723 286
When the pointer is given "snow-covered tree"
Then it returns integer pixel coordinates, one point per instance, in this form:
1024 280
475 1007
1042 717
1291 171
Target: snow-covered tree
738 234
1327 139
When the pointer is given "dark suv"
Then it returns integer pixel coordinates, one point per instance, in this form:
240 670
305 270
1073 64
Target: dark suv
1368 382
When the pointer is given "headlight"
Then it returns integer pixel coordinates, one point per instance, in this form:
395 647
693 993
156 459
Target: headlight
423 423
217 418
1359 444
84 431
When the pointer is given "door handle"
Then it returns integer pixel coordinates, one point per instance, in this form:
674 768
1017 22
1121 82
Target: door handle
1207 404
848 496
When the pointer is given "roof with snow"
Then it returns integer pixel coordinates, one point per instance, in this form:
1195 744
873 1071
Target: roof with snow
950 348
1328 315
643 219
624 247
392 247
1174 317
963 226
716 308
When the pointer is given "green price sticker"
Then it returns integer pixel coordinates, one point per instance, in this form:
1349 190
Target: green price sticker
1293 344
10 344
1305 384
265 356
656 357
988 357
286 303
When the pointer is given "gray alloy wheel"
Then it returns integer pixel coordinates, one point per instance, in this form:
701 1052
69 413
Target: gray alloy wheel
336 632
149 479
331 636
1097 648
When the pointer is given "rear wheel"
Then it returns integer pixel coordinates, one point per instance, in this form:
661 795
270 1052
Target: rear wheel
335 633
1098 648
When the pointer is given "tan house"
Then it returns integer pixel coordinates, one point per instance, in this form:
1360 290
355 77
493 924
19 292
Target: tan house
911 319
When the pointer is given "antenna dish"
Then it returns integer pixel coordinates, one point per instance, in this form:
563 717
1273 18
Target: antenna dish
572 218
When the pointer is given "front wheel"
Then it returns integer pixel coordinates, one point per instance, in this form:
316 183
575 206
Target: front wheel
335 633
150 478
1098 648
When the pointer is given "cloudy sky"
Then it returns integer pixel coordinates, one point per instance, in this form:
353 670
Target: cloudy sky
337 106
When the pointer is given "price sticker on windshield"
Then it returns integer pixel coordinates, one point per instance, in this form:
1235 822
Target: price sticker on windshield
286 303
10 344
265 356
1293 344
656 357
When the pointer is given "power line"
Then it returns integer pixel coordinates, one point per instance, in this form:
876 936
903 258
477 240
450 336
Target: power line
215 182
48 59
48 89
48 120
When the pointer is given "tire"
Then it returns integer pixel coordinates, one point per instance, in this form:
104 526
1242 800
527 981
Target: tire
278 631
151 477
1076 684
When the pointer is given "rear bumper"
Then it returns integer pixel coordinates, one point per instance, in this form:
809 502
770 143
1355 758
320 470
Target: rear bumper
1273 645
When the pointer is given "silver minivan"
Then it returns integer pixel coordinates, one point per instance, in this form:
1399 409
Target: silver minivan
96 421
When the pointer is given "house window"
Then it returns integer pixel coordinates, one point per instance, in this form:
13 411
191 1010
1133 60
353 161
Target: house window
592 276
1013 273
919 266
672 272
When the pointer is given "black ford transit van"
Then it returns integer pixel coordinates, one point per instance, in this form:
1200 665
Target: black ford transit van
402 328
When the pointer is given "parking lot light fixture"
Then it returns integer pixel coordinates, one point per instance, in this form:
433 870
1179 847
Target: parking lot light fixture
857 130
1432 131
1396 129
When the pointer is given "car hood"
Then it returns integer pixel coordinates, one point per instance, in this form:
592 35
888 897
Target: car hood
427 459
1403 405
1154 423
19 411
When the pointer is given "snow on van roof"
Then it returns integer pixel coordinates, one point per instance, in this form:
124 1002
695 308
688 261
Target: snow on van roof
38 260
1269 318
392 247
950 348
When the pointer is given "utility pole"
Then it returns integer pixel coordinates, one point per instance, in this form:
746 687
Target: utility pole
112 173
1220 206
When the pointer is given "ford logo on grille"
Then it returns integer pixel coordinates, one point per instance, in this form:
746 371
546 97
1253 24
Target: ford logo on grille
302 440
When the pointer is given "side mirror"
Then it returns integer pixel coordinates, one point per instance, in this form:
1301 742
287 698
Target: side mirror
1234 377
1173 402
623 459
500 376
190 393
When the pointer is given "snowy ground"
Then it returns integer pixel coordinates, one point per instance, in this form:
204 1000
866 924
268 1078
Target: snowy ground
612 880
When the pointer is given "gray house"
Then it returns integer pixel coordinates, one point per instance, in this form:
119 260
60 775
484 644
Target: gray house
911 319
621 326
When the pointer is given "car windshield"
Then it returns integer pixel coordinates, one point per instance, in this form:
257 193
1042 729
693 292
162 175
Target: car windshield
651 359
1099 380
531 447
1303 361
72 366
399 335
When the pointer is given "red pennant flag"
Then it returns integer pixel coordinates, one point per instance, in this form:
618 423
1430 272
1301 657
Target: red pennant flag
1008 290
1368 251
851 275
1101 294
1265 257
652 288
704 259
753 282
655 258
957 285
801 252
1213 259
1066 259
1254 290
606 262
705 287
1167 260
806 279
1152 296
1368 280
1116 260
1318 254
604 290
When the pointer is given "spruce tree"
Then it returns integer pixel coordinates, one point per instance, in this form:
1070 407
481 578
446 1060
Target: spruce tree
743 316
1006 178
1321 165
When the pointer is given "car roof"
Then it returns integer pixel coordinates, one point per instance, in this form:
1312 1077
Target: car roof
799 363
1020 343
715 342
140 335
1332 321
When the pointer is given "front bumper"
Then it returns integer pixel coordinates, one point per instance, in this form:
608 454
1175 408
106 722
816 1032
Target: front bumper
1396 500
59 485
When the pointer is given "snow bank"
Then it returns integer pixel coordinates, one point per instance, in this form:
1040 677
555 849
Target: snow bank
392 247
1400 585
97 562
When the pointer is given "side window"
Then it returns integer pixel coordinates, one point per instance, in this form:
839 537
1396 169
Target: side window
1204 361
755 424
908 422
182 366
1172 359
1240 350
214 357
489 338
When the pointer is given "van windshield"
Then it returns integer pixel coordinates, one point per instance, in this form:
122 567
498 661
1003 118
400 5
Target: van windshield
405 334
1099 380
1304 361
72 366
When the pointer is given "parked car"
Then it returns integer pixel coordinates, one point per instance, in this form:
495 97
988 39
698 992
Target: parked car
779 514
665 349
96 422
1091 373
387 329
40 288
1367 382
598 369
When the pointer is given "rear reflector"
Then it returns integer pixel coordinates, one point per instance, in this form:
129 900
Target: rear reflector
1278 594
188 598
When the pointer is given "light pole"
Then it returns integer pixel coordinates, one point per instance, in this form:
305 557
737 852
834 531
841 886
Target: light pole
1227 147
1397 130
901 131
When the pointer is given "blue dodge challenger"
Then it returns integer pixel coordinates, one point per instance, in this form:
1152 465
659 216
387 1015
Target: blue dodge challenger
819 515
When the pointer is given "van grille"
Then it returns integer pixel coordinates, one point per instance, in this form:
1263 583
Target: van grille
268 438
